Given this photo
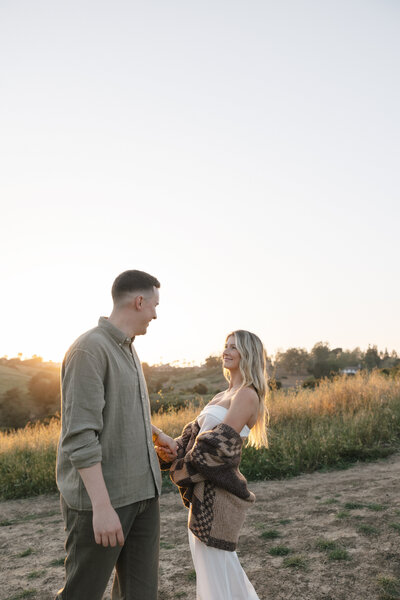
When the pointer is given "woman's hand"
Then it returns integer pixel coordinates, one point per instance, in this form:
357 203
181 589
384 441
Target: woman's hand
165 456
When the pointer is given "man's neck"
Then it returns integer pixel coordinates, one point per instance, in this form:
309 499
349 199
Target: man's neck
123 323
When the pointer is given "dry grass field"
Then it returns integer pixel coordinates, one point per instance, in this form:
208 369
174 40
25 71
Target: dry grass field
339 422
320 536
332 535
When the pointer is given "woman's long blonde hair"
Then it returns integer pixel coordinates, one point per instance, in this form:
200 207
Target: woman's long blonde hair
253 368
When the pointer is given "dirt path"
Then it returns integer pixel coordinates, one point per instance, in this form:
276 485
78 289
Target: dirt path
357 509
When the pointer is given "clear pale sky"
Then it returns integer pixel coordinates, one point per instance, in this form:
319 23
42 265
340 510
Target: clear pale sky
245 153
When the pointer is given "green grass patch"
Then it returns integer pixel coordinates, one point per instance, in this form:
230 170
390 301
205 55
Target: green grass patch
339 554
297 561
279 551
375 507
270 534
323 544
367 530
26 552
35 574
285 521
395 526
390 587
343 514
166 545
353 505
57 562
192 575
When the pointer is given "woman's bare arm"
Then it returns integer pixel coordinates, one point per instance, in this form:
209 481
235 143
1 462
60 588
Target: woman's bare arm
243 409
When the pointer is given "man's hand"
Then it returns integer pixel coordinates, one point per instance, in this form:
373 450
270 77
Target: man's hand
166 447
106 524
107 527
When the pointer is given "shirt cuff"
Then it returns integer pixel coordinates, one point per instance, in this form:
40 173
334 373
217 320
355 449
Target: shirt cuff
86 457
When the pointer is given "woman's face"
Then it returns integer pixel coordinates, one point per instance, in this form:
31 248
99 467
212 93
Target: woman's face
230 355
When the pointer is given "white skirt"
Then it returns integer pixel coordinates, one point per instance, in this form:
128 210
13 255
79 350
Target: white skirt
219 574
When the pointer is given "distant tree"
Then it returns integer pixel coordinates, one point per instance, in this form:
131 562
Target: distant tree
294 360
15 411
389 360
337 351
44 389
323 361
394 359
372 358
350 358
320 352
213 361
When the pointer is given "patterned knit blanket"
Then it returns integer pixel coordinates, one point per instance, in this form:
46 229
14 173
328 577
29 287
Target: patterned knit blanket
211 485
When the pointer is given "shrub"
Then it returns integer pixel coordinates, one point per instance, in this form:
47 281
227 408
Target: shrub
274 384
310 383
200 388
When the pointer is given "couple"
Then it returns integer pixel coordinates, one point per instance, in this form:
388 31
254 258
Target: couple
108 471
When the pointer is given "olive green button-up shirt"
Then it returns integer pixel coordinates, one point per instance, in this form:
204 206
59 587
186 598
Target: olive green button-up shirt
106 418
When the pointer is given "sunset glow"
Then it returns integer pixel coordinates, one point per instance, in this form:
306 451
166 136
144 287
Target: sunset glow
245 155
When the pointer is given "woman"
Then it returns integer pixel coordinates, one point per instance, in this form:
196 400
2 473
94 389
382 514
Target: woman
207 469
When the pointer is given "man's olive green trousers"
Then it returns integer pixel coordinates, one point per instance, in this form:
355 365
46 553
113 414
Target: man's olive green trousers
88 566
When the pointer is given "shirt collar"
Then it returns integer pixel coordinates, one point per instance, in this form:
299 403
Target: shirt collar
119 336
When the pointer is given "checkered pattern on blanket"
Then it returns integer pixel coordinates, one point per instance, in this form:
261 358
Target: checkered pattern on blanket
207 465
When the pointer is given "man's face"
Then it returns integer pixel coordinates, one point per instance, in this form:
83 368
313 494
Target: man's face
149 305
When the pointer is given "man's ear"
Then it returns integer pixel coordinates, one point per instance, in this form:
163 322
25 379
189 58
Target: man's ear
138 302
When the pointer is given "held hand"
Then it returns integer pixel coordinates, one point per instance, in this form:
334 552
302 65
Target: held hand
164 454
107 527
168 444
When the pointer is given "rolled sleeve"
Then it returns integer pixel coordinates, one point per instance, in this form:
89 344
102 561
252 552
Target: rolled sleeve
84 400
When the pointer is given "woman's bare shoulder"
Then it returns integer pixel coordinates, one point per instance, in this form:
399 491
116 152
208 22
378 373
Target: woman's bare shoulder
246 395
243 409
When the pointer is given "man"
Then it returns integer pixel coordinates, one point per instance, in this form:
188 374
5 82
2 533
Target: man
107 469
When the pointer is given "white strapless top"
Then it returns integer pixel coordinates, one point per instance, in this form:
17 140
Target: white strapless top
212 415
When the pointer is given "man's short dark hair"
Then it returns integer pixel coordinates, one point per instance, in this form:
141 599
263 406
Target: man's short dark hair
132 281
